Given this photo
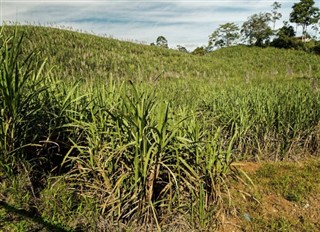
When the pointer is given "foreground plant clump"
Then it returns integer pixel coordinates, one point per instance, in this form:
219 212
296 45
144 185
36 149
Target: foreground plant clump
111 153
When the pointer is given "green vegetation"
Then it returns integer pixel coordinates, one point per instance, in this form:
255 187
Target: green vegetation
257 31
305 13
100 134
226 35
291 182
285 197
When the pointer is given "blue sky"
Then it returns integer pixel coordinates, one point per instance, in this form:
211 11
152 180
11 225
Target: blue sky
187 23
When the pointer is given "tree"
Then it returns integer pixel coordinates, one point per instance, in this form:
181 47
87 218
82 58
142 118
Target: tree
162 42
182 49
275 15
200 51
305 14
286 31
316 28
256 29
286 38
226 35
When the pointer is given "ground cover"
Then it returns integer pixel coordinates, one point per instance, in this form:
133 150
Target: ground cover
137 137
284 197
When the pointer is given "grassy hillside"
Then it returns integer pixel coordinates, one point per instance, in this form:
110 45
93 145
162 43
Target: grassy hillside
100 134
81 55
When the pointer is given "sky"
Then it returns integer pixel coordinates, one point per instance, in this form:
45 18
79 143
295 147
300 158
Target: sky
182 22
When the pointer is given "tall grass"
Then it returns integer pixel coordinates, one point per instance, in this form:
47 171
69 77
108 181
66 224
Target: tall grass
141 150
20 86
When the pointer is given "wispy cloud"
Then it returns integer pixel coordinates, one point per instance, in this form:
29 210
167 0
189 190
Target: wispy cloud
186 22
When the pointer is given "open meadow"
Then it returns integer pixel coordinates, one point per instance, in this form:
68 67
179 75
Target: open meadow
98 134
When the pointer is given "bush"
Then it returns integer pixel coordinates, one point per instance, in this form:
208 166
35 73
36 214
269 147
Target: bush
288 42
316 48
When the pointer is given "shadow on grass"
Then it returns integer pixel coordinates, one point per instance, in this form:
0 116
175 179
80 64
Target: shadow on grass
34 218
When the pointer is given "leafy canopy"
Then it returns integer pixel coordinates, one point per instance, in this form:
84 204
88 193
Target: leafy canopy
275 15
305 13
226 35
257 29
162 42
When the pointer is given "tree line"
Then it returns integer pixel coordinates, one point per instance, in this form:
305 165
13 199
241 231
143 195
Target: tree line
260 30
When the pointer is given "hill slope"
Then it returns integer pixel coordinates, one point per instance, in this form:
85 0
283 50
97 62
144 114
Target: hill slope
106 155
84 55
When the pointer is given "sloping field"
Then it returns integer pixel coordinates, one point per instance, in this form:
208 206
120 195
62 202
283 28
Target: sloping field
105 135
81 55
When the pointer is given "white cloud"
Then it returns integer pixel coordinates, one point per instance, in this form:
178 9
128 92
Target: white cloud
186 22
